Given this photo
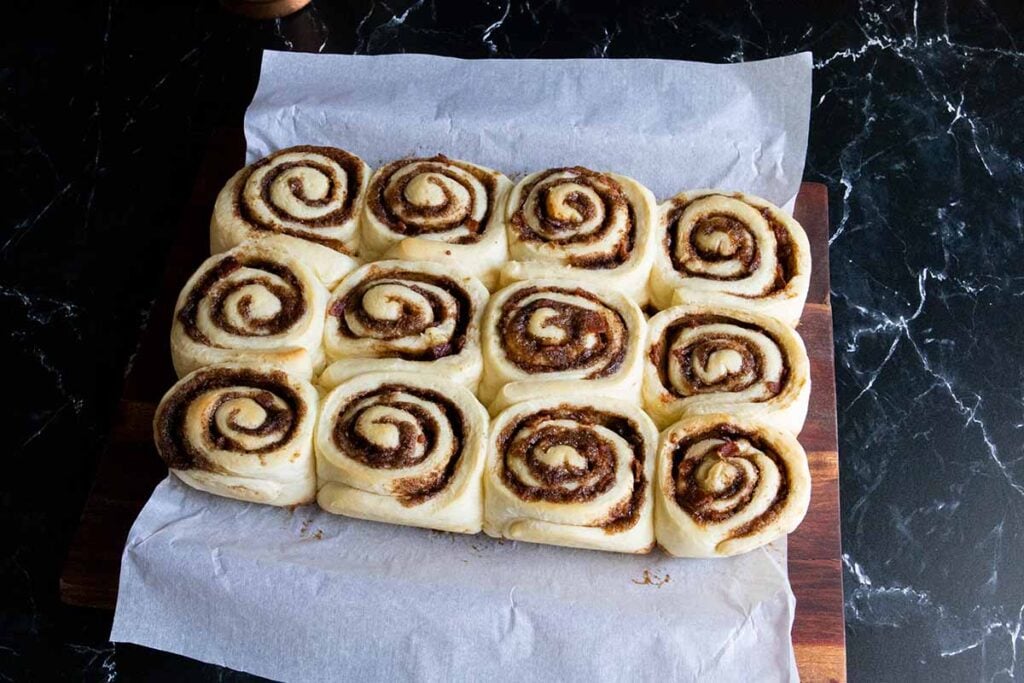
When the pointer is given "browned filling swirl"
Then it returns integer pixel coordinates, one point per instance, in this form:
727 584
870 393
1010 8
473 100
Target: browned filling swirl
565 455
560 329
704 354
298 197
592 469
436 196
397 427
243 297
720 238
585 213
406 314
717 474
723 237
235 410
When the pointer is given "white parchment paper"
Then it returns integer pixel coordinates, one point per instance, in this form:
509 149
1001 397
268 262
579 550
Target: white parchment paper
301 595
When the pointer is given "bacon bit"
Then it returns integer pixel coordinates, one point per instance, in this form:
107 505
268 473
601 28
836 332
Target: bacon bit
728 449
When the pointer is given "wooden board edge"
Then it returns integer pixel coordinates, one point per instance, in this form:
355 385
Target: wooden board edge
824 663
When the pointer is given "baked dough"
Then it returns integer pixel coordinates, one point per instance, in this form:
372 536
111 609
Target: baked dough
313 193
242 432
572 470
581 224
703 359
261 302
438 209
733 250
404 448
727 485
559 336
405 316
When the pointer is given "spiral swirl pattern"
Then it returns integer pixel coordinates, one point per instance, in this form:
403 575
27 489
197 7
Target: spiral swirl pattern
571 456
411 312
544 330
439 210
733 485
243 297
582 224
402 447
255 302
725 239
571 468
585 214
413 433
313 193
563 329
700 361
717 475
240 431
437 197
724 357
734 246
403 313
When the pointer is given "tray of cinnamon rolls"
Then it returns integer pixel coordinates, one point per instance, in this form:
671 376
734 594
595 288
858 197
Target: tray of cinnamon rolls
556 359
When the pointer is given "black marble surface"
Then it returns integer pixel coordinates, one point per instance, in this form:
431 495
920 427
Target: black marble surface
916 127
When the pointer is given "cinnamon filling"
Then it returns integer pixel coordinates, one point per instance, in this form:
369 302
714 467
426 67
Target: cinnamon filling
696 500
619 254
701 352
298 190
260 387
564 230
412 320
725 238
588 473
412 446
384 197
353 182
215 290
722 237
588 338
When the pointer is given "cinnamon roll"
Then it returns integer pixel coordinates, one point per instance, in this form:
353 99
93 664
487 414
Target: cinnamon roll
731 249
545 336
263 301
581 224
438 209
573 470
404 448
313 193
726 485
398 315
703 360
241 431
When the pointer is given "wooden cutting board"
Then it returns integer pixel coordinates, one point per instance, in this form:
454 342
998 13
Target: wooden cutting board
129 468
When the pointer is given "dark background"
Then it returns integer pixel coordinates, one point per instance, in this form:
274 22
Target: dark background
916 127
